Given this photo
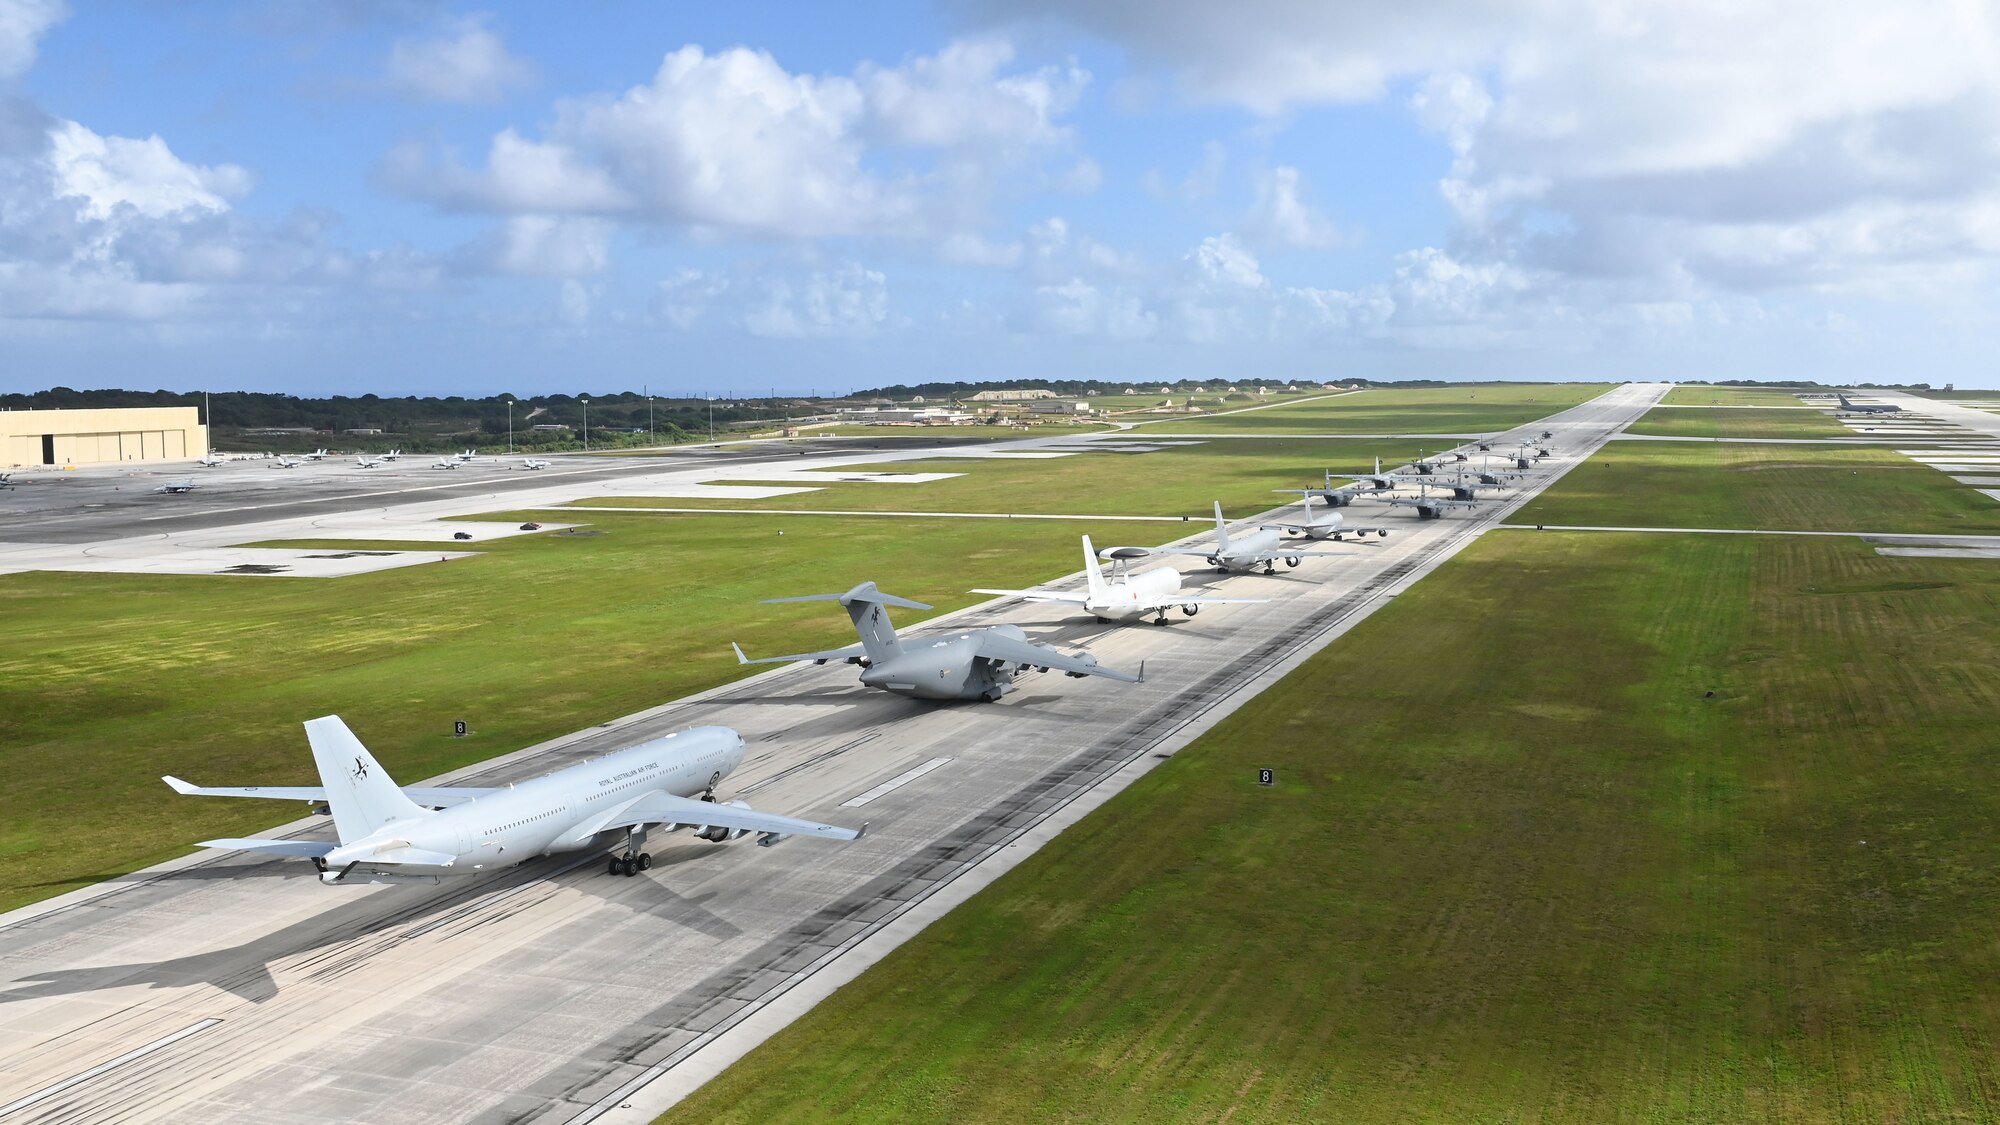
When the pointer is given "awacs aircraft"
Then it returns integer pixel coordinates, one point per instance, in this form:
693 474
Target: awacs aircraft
1261 548
969 665
1330 525
535 463
315 455
1149 593
178 486
367 462
1870 408
1431 507
393 835
209 462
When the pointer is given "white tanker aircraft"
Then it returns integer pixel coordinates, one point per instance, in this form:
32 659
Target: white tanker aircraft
1149 593
388 834
1315 524
1259 550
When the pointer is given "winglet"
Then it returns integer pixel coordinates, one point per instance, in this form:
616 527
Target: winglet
185 788
740 658
1142 673
862 831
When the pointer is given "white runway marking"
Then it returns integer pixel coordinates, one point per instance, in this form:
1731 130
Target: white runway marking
894 783
132 1055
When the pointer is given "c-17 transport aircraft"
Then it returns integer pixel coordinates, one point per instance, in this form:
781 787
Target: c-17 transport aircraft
388 834
969 665
1261 549
1149 593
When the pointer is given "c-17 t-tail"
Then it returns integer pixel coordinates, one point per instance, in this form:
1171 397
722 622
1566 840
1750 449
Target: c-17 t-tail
389 834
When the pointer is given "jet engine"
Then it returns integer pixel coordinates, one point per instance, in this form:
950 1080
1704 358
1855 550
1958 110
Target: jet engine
1291 560
717 833
1191 609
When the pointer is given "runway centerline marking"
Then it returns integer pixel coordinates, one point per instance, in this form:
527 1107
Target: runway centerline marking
132 1055
894 783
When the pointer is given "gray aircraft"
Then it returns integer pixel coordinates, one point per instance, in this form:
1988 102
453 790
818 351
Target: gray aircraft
1259 550
1868 408
977 664
1431 507
1340 496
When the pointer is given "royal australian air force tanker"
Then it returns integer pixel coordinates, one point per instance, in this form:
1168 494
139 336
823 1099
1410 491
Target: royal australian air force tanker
1133 597
388 834
976 664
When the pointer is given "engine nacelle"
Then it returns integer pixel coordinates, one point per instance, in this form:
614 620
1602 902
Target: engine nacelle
1291 560
1191 609
716 833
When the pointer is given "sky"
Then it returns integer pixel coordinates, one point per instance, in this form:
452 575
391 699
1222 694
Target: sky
400 196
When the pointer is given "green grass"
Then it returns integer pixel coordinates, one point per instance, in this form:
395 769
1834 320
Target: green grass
1761 487
1185 480
1731 396
1517 868
1470 408
113 680
1000 432
1674 421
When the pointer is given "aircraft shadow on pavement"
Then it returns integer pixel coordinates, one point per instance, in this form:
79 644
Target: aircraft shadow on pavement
245 970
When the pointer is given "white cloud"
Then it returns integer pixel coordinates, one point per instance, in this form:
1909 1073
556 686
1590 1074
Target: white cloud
22 24
1280 216
109 172
471 64
1080 310
732 144
544 246
847 301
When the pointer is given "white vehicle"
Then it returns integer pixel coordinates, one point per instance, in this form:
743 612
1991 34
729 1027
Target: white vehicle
393 455
388 834
1149 593
367 462
468 455
285 463
535 463
1330 524
445 463
315 455
209 462
1259 550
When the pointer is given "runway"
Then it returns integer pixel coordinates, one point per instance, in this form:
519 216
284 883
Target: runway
225 988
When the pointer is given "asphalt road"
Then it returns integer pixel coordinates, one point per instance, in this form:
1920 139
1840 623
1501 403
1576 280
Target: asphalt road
225 988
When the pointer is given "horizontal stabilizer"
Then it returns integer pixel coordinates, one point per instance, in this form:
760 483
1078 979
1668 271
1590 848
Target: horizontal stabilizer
866 592
848 653
434 797
1038 595
303 849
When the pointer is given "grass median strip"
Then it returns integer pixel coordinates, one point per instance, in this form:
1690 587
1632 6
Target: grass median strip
1462 408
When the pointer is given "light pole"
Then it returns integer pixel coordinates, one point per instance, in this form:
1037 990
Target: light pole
510 425
711 419
651 434
586 425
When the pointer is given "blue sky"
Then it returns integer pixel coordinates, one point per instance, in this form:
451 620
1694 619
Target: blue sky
399 195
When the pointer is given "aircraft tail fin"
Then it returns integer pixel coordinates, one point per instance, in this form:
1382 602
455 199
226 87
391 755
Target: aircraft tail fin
864 607
1092 571
1221 529
359 791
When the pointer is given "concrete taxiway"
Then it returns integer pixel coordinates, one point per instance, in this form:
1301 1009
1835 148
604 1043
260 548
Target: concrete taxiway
225 988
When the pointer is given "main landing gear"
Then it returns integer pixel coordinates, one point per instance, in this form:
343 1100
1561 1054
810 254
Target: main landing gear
635 858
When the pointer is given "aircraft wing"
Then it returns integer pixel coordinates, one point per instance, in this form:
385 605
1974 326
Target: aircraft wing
1169 603
665 808
435 798
994 646
302 849
1040 595
846 653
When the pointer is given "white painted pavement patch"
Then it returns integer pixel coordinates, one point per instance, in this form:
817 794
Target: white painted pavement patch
1941 552
894 783
1978 480
132 1055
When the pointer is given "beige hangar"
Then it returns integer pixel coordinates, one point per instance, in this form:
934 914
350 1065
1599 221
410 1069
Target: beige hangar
87 437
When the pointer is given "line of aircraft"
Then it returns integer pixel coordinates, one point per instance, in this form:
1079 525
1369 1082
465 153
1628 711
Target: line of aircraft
386 833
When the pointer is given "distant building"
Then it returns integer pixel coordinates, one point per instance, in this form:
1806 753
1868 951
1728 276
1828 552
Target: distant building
1028 395
362 430
1059 406
1131 390
549 428
82 437
923 415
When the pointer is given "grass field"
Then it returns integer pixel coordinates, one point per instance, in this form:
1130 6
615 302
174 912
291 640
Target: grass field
1471 408
1519 866
1672 421
110 681
986 433
1731 396
1764 487
1185 480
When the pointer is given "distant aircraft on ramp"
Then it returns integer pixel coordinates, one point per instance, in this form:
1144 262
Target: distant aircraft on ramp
178 486
1868 408
970 665
388 834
